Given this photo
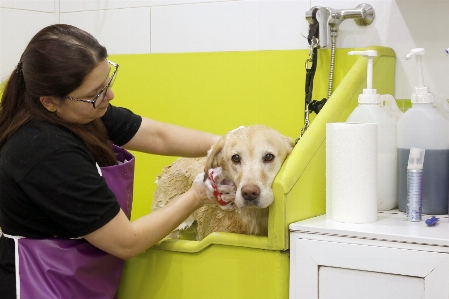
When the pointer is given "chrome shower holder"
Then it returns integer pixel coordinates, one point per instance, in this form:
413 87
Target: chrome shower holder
329 20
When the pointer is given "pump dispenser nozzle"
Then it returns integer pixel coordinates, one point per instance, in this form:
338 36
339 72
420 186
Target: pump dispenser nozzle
421 94
369 95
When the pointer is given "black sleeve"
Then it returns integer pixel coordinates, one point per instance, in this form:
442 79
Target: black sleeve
121 124
73 194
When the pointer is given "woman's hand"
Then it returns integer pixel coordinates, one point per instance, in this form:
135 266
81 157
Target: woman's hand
218 189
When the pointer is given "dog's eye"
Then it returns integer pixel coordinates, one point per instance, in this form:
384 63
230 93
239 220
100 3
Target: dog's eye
268 158
235 158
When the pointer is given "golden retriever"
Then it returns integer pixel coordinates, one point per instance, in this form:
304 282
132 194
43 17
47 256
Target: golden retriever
250 157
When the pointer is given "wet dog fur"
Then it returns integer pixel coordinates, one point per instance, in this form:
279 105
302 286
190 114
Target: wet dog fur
250 157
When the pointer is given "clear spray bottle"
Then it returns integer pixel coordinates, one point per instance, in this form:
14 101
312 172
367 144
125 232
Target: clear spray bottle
414 184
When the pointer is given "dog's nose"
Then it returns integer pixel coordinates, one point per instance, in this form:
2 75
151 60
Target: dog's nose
250 192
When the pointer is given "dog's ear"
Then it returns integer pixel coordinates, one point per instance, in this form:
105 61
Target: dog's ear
212 160
290 144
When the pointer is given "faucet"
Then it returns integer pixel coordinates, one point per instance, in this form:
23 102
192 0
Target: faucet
329 19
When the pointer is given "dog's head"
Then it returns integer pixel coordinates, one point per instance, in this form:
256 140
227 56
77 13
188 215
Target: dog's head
251 157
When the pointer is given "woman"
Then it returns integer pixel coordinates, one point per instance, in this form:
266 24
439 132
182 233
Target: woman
64 234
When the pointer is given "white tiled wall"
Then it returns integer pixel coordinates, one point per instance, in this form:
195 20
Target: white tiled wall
17 27
168 26
120 30
31 5
115 4
229 26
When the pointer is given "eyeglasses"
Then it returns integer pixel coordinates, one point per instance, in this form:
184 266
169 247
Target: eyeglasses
96 101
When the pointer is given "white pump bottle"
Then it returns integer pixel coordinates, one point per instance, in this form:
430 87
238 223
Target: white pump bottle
424 126
441 102
371 110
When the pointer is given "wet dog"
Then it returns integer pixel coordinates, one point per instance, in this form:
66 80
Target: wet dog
250 157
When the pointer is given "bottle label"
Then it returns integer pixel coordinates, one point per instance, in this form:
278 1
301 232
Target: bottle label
414 212
414 195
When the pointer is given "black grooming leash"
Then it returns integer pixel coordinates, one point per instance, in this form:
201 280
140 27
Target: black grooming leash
311 63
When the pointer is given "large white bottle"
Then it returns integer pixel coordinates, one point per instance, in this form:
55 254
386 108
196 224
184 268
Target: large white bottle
371 110
424 126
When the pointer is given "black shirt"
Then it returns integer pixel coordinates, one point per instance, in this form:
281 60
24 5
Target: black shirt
50 186
49 181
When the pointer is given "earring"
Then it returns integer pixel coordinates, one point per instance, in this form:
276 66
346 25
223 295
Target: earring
52 108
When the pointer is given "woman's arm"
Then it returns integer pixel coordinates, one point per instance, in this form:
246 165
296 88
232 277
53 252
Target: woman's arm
166 139
125 239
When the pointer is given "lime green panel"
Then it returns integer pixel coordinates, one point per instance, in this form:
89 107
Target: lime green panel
214 92
217 272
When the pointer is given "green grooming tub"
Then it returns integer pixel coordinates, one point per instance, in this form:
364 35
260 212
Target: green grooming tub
218 92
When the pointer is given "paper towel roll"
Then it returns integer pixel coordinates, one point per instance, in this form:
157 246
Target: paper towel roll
351 172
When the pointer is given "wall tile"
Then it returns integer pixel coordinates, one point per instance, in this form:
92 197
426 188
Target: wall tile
17 27
236 25
229 26
32 5
114 4
120 30
71 5
420 24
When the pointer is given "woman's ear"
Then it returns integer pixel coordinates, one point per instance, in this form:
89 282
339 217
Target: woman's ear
48 102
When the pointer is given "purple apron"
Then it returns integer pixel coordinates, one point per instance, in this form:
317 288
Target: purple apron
73 268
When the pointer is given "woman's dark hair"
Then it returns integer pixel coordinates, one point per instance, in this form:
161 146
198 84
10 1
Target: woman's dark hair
54 63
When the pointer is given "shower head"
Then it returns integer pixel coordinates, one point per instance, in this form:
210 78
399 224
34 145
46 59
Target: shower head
329 19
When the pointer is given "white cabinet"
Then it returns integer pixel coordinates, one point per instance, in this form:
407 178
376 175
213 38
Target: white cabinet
389 258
